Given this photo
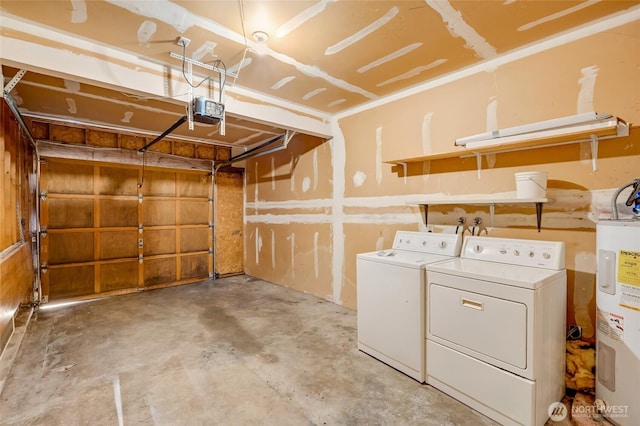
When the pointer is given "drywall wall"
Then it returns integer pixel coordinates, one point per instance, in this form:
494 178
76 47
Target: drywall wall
357 201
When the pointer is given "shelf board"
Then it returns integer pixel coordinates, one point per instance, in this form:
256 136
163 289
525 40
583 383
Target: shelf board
427 157
479 200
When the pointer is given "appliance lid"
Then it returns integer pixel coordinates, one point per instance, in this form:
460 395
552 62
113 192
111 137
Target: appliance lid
500 273
405 258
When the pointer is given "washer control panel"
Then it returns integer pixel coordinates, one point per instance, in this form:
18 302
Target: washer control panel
428 242
539 254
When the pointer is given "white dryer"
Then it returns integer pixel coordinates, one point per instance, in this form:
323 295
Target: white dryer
496 327
391 298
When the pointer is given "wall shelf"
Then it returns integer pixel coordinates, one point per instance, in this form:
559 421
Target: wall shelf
607 128
484 200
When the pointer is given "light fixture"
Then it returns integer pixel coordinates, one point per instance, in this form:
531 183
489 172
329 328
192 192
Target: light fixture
260 38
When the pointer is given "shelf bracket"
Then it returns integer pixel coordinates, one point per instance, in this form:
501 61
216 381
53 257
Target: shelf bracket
426 214
539 214
404 172
594 152
479 163
492 210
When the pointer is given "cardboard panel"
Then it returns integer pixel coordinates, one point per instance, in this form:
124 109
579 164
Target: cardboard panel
69 178
118 213
71 282
118 276
159 241
70 247
194 239
117 181
160 271
70 213
194 212
118 244
159 212
194 266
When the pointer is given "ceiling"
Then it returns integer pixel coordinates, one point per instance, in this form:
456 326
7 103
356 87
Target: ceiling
322 57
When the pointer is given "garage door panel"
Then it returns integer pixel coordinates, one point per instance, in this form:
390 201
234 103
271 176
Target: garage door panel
70 213
160 271
117 181
118 276
159 241
94 244
159 184
194 186
70 247
194 266
194 239
73 178
118 213
159 212
66 282
194 212
118 244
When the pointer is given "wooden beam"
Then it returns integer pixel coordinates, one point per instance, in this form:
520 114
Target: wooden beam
121 156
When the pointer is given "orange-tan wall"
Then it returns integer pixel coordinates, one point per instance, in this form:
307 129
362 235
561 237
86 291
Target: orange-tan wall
311 208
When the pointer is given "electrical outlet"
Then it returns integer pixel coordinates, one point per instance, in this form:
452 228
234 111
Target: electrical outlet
182 41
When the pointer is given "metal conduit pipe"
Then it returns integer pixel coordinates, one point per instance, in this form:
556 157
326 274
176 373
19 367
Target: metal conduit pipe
614 206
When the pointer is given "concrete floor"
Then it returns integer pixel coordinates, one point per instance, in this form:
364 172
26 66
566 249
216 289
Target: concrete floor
236 351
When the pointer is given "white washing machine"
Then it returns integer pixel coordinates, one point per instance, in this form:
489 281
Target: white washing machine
496 327
618 321
391 298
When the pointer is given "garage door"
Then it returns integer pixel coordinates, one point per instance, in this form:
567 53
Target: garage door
110 231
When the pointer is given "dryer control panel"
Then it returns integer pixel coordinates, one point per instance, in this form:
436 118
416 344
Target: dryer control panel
534 253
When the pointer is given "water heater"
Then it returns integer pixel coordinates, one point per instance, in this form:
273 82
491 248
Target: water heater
618 321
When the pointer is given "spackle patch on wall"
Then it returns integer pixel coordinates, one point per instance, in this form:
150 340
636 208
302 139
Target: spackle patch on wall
292 239
587 87
306 183
379 23
458 27
379 155
426 133
316 264
72 86
359 178
273 249
72 106
127 117
279 84
79 12
390 57
146 30
492 114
